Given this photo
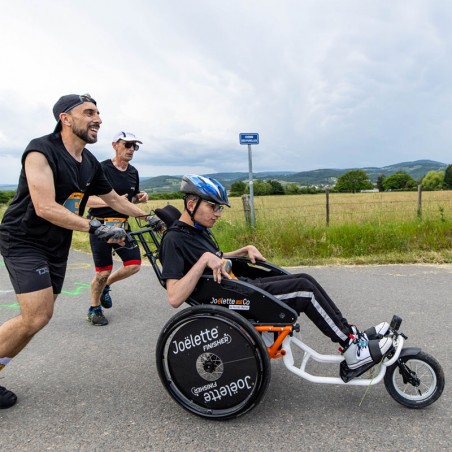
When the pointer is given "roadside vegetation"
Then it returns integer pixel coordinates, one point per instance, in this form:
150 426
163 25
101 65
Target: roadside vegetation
362 228
365 228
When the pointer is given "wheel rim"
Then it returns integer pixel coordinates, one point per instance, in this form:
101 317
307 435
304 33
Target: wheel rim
427 378
212 366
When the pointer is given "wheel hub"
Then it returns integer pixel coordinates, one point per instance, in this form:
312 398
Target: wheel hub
209 366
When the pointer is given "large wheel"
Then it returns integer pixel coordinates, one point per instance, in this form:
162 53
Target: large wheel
415 380
213 362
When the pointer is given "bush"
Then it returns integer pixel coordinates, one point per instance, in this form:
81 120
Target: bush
400 181
6 196
433 180
353 182
159 196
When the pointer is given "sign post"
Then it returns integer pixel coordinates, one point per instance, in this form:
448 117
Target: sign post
249 139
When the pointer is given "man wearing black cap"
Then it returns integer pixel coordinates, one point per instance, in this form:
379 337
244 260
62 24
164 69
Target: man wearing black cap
58 175
124 178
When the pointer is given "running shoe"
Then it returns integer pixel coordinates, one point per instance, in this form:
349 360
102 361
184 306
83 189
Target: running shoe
7 398
96 316
105 299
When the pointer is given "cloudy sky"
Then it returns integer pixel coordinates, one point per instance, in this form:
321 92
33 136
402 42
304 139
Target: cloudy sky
326 83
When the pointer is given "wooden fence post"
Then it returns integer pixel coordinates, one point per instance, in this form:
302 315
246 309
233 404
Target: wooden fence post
327 192
247 208
419 202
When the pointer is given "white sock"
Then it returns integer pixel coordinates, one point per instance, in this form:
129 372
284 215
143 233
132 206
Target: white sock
4 362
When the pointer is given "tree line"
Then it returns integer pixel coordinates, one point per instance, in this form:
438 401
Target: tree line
357 180
353 181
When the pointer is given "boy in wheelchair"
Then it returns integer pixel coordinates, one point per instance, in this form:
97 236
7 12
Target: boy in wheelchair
189 250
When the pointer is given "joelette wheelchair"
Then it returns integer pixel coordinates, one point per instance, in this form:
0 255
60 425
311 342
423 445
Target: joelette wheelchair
213 357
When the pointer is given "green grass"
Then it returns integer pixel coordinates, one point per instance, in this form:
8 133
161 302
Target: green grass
376 228
296 244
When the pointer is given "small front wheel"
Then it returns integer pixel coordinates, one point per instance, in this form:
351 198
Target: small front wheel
415 380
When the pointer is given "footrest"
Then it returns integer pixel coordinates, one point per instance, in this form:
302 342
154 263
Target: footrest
348 374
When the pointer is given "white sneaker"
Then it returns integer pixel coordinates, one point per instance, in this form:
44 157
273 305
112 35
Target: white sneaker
377 331
361 350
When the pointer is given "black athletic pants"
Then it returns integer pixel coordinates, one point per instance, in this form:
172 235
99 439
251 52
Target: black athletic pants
304 294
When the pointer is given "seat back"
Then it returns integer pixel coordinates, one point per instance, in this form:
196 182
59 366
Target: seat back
153 228
258 306
168 214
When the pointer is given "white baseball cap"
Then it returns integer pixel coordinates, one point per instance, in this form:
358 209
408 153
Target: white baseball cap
126 136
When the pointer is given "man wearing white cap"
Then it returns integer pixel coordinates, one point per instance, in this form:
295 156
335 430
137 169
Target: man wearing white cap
124 178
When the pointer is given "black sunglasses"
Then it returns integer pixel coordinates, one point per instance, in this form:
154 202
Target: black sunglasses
129 144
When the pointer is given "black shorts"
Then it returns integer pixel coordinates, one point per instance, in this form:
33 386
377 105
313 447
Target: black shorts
35 272
102 253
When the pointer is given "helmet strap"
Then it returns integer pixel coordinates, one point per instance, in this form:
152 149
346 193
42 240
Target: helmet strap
192 212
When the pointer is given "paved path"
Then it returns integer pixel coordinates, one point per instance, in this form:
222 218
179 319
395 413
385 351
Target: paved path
96 388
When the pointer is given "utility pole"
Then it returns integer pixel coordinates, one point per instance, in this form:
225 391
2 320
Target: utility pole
249 139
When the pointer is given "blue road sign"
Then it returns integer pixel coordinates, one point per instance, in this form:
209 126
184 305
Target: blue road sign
249 138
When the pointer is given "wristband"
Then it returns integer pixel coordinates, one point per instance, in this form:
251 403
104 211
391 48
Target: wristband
93 225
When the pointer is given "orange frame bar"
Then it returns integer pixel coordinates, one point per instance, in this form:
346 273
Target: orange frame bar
275 350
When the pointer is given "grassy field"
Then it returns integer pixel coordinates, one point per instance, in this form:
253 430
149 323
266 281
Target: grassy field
363 228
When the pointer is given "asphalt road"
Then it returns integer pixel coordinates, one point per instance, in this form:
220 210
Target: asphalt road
90 388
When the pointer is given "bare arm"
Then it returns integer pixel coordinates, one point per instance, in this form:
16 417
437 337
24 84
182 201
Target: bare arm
178 290
42 192
249 251
121 204
97 202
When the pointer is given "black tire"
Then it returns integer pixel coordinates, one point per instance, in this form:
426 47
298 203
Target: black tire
213 362
426 386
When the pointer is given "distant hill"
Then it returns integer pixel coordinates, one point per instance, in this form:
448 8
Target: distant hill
160 184
4 187
417 170
171 184
320 177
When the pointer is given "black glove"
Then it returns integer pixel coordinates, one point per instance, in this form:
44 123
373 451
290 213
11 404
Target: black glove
105 233
155 223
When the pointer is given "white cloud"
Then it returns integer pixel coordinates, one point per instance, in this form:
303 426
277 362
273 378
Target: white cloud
325 83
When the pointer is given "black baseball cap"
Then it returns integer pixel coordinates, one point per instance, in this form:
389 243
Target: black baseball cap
67 103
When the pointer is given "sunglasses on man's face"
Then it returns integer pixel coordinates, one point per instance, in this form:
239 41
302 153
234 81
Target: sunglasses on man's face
215 207
129 144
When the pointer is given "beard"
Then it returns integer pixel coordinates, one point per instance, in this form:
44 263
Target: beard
83 134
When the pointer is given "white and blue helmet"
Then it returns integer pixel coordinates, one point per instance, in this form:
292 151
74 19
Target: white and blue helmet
205 187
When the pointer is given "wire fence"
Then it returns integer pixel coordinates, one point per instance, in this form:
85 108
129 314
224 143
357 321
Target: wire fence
339 208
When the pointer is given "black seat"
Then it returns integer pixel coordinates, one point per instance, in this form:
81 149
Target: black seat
168 214
258 306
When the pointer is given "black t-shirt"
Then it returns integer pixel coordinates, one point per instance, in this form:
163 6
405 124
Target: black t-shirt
74 181
124 182
181 248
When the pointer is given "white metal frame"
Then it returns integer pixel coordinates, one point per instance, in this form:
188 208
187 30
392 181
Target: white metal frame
309 353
